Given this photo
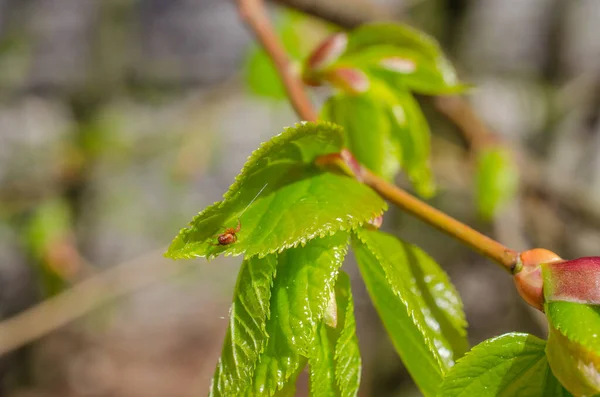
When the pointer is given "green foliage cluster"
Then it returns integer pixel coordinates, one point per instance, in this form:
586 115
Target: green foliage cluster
292 304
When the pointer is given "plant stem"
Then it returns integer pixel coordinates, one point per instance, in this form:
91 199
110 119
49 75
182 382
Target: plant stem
253 12
255 15
481 243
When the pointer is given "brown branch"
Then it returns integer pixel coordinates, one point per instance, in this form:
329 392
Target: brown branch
87 295
253 12
479 242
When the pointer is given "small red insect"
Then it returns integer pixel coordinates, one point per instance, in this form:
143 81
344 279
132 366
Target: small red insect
229 235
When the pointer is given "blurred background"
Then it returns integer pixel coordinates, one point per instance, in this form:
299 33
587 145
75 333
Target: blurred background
121 119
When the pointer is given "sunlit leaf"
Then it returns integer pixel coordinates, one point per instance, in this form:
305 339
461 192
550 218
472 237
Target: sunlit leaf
574 345
410 132
367 131
509 365
405 68
301 290
385 130
281 199
335 363
417 304
246 336
393 34
496 180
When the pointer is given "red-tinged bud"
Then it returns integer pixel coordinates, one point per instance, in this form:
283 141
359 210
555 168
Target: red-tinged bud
344 161
528 275
350 80
376 222
399 65
576 280
328 52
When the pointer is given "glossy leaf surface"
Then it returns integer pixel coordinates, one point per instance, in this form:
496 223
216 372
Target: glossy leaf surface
282 199
574 345
278 306
335 364
417 304
514 364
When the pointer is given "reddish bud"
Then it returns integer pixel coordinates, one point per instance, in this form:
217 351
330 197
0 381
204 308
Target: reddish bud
397 64
376 222
344 160
576 280
528 275
351 80
328 51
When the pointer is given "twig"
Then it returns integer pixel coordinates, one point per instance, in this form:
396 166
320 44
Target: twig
445 223
90 294
253 12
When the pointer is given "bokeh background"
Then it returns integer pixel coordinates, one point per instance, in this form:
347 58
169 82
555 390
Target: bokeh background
120 119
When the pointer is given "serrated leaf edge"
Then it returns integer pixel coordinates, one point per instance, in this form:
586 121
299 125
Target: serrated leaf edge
430 343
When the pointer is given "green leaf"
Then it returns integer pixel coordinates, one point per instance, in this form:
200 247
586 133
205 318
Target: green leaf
367 131
246 336
411 131
282 199
509 365
306 276
49 229
405 68
385 129
298 35
261 77
417 304
497 180
574 345
393 34
335 363
420 64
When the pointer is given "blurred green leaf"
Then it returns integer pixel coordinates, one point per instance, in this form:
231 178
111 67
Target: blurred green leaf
52 219
392 34
261 77
367 131
574 345
417 304
46 231
385 129
335 363
411 131
297 36
509 365
404 68
497 180
385 126
301 290
297 201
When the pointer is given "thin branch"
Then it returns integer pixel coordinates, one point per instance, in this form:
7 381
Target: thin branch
479 242
87 295
255 15
253 12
